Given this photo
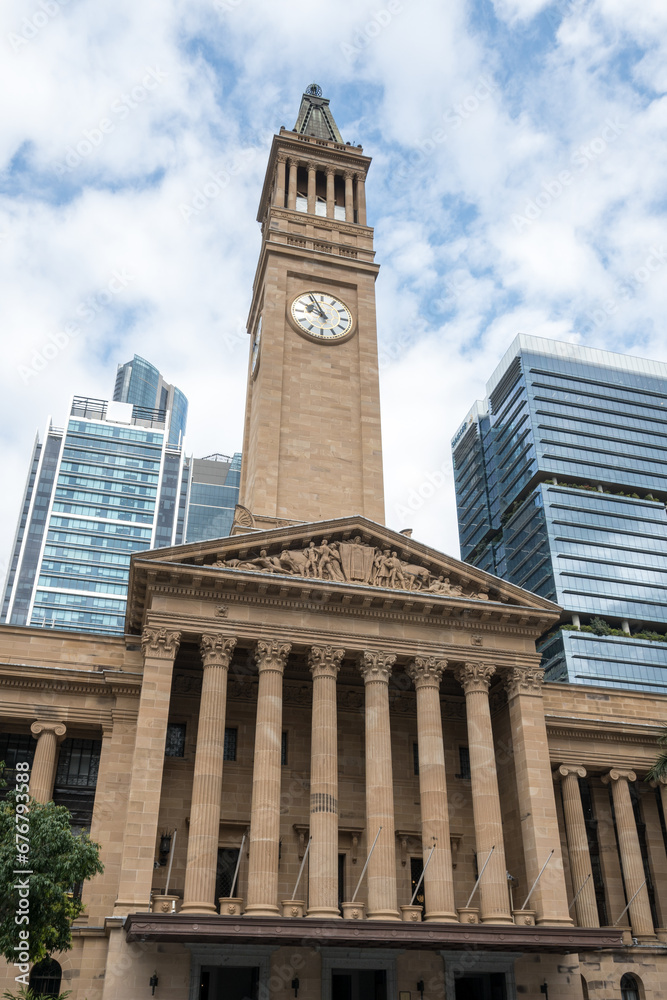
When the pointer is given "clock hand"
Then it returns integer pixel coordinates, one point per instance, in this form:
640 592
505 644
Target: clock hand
318 306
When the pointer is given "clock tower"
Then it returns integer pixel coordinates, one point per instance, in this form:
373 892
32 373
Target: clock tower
312 443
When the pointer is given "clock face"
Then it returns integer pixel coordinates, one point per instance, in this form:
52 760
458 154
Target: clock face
322 316
256 344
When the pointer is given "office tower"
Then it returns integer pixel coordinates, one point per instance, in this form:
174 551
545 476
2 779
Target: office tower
561 481
113 482
211 485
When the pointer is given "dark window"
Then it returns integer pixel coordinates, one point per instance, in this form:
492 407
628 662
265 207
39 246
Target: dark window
464 763
227 861
175 745
78 763
231 739
594 851
629 987
584 988
415 757
341 881
283 750
416 869
15 748
45 978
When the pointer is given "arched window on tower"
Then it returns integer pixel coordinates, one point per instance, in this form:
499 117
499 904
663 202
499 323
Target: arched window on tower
629 987
45 978
584 988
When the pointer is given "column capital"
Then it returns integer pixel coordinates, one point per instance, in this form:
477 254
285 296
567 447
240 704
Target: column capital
376 666
282 157
329 171
657 782
426 671
271 655
324 661
524 680
160 642
57 728
216 649
566 769
475 676
359 176
618 774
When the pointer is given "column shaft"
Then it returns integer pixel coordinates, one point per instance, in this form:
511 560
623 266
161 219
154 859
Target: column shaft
265 808
381 874
42 773
494 896
204 832
361 199
439 877
577 846
160 648
349 197
324 665
535 790
279 193
641 920
331 194
312 177
291 191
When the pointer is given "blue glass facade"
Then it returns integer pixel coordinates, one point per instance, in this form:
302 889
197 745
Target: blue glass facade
214 493
140 383
561 482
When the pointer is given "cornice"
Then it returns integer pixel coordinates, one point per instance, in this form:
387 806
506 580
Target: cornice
105 684
470 616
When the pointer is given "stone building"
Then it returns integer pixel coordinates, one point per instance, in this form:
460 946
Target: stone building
328 765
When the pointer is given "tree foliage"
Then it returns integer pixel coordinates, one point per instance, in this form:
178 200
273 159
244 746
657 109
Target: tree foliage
25 993
58 860
659 769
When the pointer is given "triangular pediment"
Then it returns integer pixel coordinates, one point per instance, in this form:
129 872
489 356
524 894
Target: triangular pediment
349 551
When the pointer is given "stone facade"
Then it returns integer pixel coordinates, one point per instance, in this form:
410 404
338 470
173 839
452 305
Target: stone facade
353 706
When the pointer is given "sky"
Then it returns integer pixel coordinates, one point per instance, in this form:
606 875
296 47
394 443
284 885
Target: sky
518 184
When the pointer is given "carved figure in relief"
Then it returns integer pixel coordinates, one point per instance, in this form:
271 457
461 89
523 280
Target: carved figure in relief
329 563
355 562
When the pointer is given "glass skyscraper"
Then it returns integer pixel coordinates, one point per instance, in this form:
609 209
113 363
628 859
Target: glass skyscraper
561 482
112 482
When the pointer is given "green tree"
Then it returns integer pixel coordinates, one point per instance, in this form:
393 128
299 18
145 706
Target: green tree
57 860
659 769
25 993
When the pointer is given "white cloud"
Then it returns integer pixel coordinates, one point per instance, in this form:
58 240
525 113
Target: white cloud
466 124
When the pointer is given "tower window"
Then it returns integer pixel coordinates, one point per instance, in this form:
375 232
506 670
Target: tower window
464 763
45 978
175 744
231 739
283 750
415 757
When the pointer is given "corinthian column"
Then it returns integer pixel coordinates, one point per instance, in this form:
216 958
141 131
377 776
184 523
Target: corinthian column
535 790
438 877
361 201
577 845
42 773
475 679
312 177
291 188
279 194
330 191
349 196
381 874
159 647
641 920
271 657
200 872
324 663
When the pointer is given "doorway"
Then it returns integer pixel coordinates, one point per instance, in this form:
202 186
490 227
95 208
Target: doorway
358 984
485 986
229 983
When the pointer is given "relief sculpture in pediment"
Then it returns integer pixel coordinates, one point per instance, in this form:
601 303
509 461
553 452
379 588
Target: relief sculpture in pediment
353 562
